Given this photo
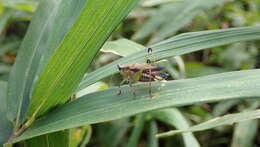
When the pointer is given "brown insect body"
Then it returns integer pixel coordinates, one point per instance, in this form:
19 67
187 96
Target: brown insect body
141 72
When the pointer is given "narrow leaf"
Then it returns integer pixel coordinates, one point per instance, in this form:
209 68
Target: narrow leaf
179 45
6 126
153 130
218 121
107 105
122 47
174 117
245 133
137 131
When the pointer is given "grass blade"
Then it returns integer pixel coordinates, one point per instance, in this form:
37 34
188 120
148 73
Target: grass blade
218 121
137 131
174 117
246 131
153 130
107 105
6 127
179 45
244 134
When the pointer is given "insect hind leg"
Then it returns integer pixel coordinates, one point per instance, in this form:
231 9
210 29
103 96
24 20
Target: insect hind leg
150 83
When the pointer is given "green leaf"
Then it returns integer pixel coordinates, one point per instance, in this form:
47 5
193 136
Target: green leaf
195 69
223 107
122 47
179 45
115 132
245 133
47 29
68 63
137 131
6 126
4 19
22 5
181 14
152 3
8 47
218 121
61 138
82 139
107 105
153 130
174 117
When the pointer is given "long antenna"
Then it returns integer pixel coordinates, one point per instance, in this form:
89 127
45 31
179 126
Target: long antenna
149 52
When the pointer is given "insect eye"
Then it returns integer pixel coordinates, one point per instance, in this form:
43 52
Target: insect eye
119 68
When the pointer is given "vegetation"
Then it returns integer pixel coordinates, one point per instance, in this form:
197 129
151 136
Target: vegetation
59 75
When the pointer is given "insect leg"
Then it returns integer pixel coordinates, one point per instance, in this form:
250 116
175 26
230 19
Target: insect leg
150 83
132 88
119 87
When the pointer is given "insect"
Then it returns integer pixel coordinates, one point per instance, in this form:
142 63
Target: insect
145 72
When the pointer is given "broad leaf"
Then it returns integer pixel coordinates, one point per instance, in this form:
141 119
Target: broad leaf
107 105
69 61
47 29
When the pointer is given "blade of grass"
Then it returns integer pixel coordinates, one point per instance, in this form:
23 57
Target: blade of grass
223 107
218 121
136 132
246 131
179 45
153 130
6 126
107 105
174 117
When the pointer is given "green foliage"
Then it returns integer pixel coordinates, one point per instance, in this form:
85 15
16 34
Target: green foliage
94 108
57 91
